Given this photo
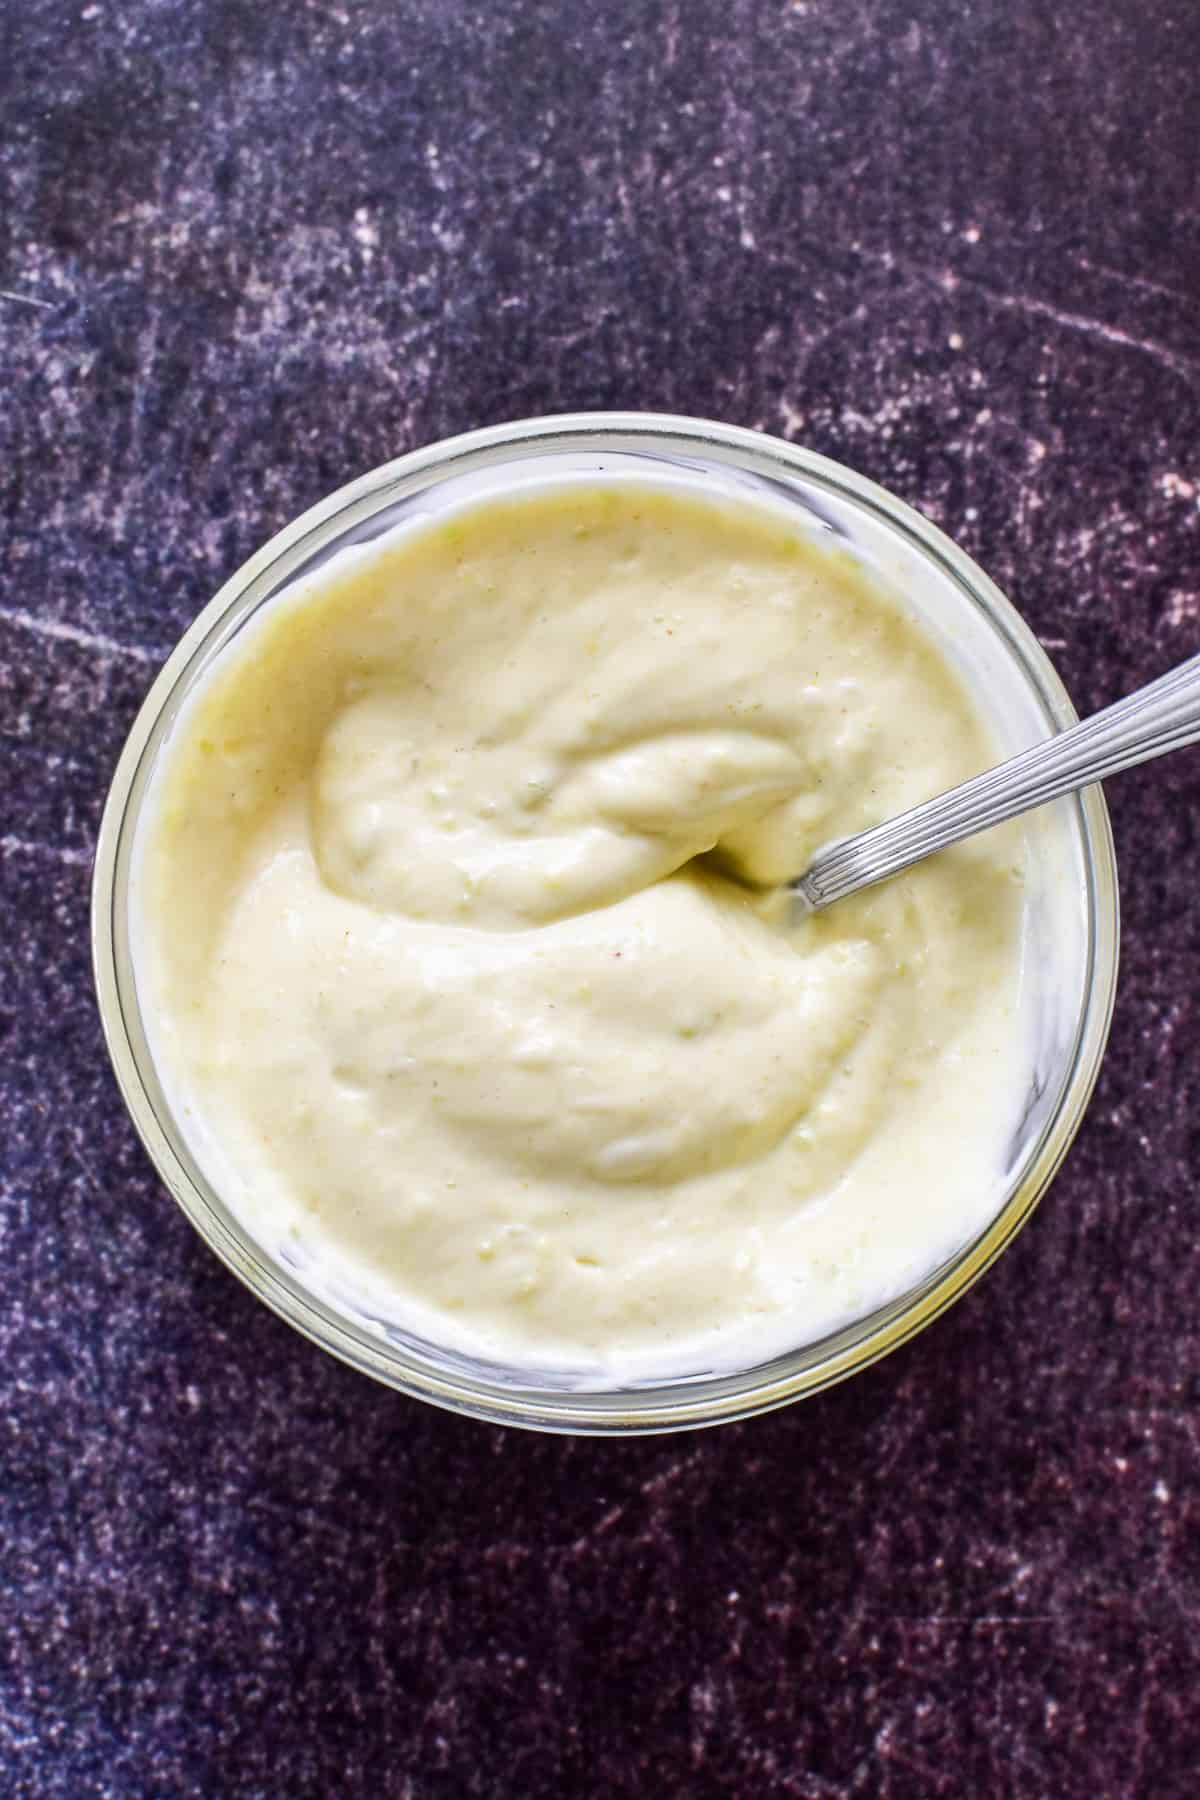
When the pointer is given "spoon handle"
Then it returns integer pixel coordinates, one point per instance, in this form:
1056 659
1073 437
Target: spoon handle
1163 716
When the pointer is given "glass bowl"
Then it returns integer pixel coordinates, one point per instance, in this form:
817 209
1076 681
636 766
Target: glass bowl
1071 915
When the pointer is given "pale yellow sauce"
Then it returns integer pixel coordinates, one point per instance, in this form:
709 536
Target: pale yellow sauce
458 975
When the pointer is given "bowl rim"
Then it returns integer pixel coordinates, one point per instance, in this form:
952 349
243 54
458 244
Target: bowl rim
706 1400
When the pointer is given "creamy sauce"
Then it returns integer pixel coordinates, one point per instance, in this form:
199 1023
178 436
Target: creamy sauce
460 969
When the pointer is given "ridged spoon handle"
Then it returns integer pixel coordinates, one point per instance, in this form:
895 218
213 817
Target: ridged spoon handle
1163 716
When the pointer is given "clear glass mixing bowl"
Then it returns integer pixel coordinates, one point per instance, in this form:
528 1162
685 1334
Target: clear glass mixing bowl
1072 887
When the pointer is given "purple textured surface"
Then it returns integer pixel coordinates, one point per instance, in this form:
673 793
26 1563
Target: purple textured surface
248 251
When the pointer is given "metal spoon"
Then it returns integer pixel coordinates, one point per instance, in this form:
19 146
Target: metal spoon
1163 716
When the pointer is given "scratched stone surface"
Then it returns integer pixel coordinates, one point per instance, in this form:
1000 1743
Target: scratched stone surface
249 251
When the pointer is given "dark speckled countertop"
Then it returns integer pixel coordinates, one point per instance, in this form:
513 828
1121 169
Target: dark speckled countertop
248 250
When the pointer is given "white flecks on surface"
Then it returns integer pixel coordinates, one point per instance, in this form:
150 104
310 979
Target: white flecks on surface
75 634
12 845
